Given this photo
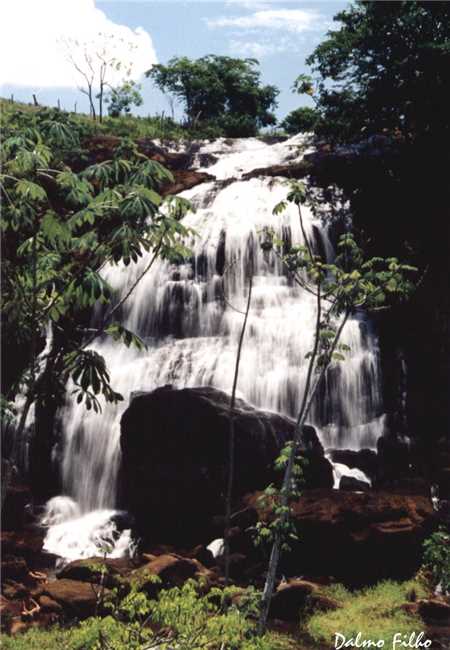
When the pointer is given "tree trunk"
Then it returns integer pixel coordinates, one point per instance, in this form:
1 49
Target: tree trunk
100 103
231 450
307 401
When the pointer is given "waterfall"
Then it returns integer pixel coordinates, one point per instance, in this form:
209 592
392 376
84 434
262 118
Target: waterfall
190 317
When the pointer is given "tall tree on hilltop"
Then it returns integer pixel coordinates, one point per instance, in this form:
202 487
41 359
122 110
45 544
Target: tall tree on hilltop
219 89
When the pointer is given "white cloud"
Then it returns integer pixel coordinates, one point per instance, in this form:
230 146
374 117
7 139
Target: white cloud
291 20
31 32
263 48
254 5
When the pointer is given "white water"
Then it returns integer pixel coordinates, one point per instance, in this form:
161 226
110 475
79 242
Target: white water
340 470
188 316
74 536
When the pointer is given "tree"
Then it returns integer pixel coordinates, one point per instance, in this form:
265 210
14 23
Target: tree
121 98
386 69
101 64
231 440
340 289
221 90
60 228
301 120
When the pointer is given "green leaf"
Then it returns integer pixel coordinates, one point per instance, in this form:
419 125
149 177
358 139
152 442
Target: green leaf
28 190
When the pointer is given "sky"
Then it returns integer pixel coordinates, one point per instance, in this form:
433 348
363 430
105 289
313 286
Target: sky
38 37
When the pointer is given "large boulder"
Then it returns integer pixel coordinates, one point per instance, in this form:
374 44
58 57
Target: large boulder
111 572
167 571
27 544
76 599
357 537
175 457
293 595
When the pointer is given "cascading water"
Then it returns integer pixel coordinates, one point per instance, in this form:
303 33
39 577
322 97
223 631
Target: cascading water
190 316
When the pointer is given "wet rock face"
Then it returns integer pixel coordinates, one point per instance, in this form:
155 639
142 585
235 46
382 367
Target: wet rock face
359 538
14 510
365 459
353 484
175 453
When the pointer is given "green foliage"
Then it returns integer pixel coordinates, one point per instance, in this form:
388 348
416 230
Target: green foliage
60 227
92 634
219 90
136 127
436 558
301 120
185 620
375 612
121 99
277 502
385 68
352 282
303 85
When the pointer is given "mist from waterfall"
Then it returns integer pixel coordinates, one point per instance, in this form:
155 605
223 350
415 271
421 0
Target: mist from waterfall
190 317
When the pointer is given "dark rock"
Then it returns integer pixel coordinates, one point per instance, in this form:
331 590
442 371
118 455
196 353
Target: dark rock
295 170
434 610
238 565
48 605
353 484
289 598
174 459
184 180
109 571
394 459
410 608
411 485
172 571
9 610
77 599
443 482
27 544
102 147
14 568
293 595
14 512
14 590
203 555
322 603
359 538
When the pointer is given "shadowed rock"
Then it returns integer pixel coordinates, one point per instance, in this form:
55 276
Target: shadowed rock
175 455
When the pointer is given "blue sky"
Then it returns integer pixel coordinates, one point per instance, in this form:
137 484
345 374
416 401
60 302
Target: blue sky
280 34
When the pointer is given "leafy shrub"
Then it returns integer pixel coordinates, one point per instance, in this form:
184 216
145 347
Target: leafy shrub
180 618
88 635
375 612
436 558
301 120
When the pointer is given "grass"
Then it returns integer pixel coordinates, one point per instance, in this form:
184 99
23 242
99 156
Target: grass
154 127
375 612
196 622
186 620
